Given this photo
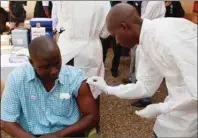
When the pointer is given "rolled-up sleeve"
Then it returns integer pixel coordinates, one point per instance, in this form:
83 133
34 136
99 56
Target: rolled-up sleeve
10 103
78 77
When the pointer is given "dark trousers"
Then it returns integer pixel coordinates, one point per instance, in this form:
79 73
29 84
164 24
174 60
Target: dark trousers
117 50
39 11
125 52
106 43
154 135
71 62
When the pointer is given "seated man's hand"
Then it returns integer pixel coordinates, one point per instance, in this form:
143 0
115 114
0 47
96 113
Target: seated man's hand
151 111
98 82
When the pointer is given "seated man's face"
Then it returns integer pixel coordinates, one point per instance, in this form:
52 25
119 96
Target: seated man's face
48 68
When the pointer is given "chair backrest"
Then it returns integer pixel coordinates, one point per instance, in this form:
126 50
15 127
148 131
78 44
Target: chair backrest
2 87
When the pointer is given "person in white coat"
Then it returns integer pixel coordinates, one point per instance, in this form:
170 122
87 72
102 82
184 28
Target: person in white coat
79 43
149 10
152 9
56 20
168 49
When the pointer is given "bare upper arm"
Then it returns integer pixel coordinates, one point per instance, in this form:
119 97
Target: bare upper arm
86 102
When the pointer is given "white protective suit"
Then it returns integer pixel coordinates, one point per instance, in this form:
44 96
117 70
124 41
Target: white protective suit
149 10
55 21
84 23
168 49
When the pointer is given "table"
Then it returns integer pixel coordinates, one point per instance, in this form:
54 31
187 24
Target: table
7 67
5 5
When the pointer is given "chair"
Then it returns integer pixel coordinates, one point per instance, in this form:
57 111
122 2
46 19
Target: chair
2 87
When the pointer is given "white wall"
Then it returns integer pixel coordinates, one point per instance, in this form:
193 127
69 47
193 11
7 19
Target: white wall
30 9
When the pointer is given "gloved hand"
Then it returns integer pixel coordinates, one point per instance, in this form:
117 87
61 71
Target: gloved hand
98 82
151 111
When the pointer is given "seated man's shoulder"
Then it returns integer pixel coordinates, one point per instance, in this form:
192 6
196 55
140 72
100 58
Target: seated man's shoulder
22 72
72 71
74 77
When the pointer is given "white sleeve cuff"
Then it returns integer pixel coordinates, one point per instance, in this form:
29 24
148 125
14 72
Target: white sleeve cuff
164 107
112 90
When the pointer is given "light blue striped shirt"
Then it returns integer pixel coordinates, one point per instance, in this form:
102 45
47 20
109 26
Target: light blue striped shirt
26 101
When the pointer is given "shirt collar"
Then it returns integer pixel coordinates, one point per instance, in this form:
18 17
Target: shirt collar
61 77
31 74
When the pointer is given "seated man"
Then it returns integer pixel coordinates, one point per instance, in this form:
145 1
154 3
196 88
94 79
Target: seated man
45 98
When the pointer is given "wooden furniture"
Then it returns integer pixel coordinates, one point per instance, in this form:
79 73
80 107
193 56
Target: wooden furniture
192 17
190 14
2 87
